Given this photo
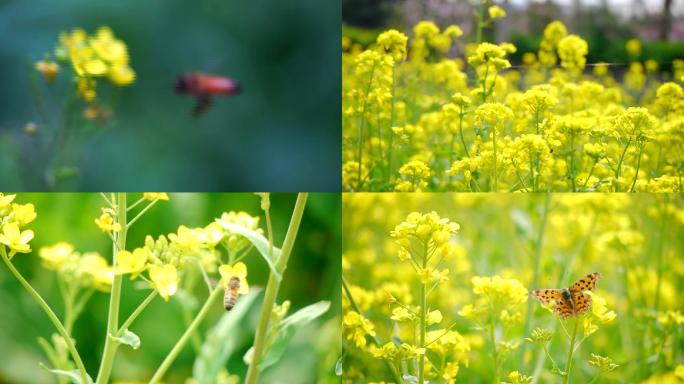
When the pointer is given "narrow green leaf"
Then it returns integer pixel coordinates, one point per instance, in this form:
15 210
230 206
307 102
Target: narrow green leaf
222 341
74 375
129 338
259 242
286 331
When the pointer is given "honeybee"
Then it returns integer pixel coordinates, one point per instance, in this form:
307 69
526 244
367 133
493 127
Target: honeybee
231 295
204 86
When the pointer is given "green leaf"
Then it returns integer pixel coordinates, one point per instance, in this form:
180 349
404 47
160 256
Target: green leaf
222 341
129 338
74 375
260 243
286 331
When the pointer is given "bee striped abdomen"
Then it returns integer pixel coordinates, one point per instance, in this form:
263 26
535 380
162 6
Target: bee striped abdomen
231 295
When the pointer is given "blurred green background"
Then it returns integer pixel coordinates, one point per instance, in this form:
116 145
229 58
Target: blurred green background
313 274
281 134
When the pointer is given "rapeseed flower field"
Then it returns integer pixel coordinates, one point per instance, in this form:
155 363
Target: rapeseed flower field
419 115
442 288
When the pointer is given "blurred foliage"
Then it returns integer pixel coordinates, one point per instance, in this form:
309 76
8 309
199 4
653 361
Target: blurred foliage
281 133
602 49
313 274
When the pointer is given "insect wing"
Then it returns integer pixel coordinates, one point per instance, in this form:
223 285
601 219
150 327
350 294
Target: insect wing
587 283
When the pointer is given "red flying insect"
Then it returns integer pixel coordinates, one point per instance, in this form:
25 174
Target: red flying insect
203 87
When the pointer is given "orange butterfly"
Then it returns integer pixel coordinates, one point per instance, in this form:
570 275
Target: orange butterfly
569 301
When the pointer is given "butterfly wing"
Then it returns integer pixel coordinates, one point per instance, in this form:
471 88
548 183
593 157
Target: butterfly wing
545 296
587 283
581 300
561 307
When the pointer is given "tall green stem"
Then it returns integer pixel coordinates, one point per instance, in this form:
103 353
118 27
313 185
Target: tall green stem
619 164
216 293
492 335
496 177
111 344
359 155
568 365
423 318
537 268
460 131
136 312
572 161
391 132
48 311
272 289
636 175
480 22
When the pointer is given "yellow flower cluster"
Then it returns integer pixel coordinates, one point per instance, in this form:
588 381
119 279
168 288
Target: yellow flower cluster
166 257
355 327
13 218
91 57
415 117
77 270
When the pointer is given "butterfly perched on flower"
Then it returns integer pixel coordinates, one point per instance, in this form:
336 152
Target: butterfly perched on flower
571 301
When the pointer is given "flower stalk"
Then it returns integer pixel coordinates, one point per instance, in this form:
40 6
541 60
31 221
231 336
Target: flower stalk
48 311
272 289
571 351
111 345
169 359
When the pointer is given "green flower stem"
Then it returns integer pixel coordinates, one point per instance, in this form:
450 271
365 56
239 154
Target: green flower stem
636 175
218 291
391 132
572 161
111 345
374 339
138 202
479 20
423 315
591 172
362 122
619 164
537 269
460 131
137 312
272 289
494 353
568 365
661 243
496 181
48 311
142 212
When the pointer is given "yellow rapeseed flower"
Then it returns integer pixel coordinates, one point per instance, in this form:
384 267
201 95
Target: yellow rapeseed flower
106 222
156 196
15 239
55 255
238 270
23 213
131 262
496 12
164 280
